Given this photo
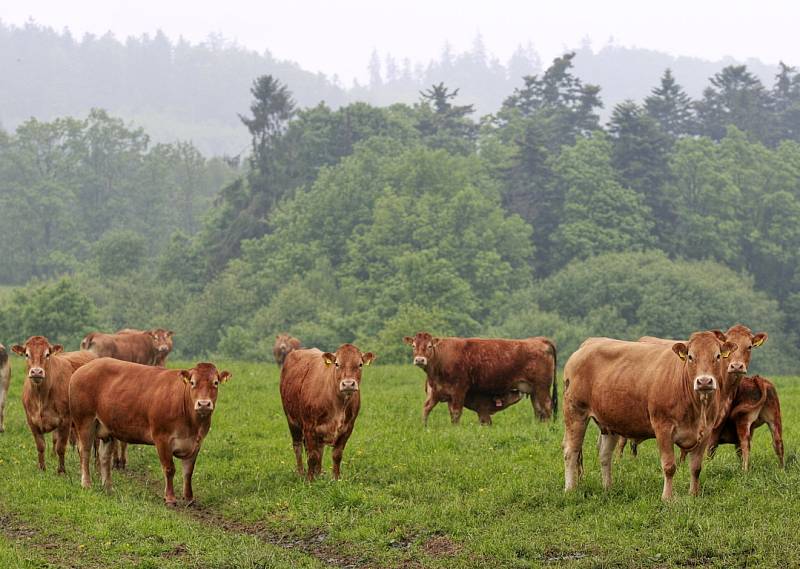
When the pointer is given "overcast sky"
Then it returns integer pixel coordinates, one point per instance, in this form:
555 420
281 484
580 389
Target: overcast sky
338 36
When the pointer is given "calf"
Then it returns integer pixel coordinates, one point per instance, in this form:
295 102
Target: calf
5 381
756 403
321 397
171 409
45 392
484 404
485 368
640 391
284 345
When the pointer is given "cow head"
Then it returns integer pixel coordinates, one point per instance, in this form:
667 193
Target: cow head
705 357
347 364
162 340
203 381
424 345
282 343
37 350
743 337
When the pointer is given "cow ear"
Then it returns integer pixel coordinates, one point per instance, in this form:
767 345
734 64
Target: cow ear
57 349
759 339
17 349
435 341
225 376
408 340
680 349
720 335
186 375
328 358
170 333
367 358
727 349
277 336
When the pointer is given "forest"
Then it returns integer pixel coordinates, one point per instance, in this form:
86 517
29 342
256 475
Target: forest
366 223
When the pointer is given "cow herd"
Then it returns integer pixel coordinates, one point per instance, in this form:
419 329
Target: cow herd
693 394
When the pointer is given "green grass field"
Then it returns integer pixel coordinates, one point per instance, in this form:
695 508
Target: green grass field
465 496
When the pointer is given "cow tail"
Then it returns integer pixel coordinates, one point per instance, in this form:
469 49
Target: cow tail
554 395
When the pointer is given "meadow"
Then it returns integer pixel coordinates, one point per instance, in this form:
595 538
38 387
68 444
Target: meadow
445 496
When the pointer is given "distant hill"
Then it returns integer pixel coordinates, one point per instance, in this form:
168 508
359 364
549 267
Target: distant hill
178 90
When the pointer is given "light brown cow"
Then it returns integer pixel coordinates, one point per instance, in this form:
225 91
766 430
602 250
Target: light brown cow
45 392
738 364
321 398
5 381
148 347
480 368
284 345
756 404
640 391
171 409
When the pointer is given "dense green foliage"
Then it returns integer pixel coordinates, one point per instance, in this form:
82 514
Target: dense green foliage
465 496
366 224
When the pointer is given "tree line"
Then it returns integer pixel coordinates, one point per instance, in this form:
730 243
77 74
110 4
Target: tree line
368 223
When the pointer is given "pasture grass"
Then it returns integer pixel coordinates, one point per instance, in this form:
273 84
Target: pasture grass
465 496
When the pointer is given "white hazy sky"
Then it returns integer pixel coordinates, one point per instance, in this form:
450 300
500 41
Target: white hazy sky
338 36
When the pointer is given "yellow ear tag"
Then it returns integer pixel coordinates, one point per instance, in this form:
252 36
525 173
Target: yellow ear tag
328 362
758 342
682 356
726 354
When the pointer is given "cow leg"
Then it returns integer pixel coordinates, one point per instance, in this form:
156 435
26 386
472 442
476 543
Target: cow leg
86 433
168 466
456 406
621 446
314 455
695 466
338 451
607 445
60 438
485 418
430 403
38 438
105 453
297 445
541 402
777 437
3 399
575 424
188 470
743 432
635 448
668 466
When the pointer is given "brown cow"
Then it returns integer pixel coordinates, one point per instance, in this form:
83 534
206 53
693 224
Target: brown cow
484 404
756 403
5 381
148 347
482 367
45 392
640 391
738 365
321 398
171 409
284 345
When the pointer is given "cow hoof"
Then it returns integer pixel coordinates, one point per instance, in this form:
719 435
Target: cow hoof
171 503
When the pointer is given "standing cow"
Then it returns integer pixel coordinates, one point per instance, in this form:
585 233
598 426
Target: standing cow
147 347
45 394
321 397
467 372
284 345
171 409
5 381
640 391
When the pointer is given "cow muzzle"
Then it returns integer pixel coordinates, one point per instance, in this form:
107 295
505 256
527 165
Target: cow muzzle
204 406
705 383
420 361
737 367
348 386
163 349
36 375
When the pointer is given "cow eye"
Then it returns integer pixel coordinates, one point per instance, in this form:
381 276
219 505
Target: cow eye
47 354
216 382
360 365
749 348
193 382
691 358
336 364
718 356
